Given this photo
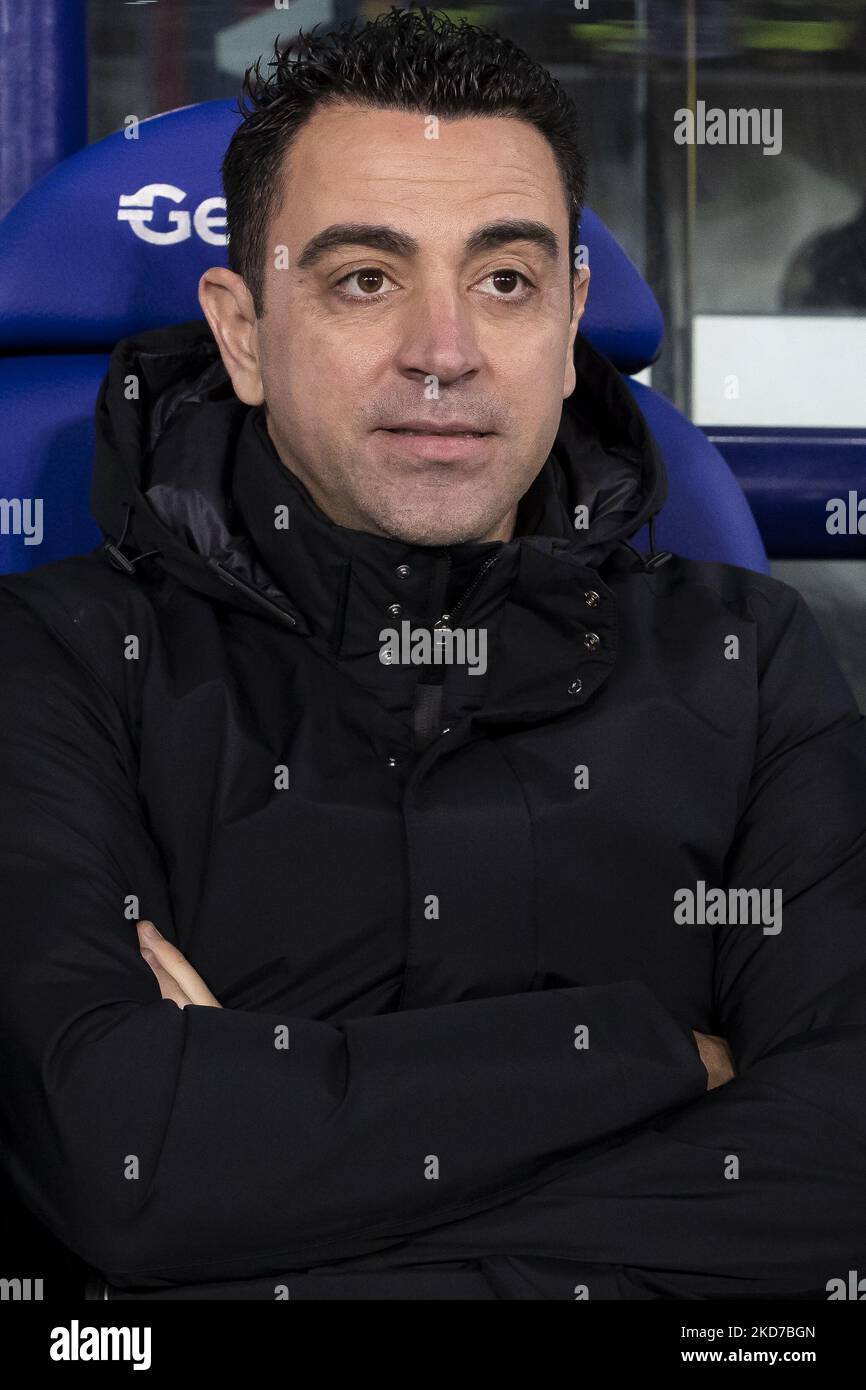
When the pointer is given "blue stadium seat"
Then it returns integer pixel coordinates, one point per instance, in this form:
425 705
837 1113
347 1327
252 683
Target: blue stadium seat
113 241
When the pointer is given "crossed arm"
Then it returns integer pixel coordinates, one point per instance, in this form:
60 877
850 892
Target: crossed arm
180 982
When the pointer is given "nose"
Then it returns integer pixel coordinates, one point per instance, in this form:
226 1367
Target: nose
438 335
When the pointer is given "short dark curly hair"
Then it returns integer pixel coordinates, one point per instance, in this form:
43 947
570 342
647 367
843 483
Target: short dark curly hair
409 60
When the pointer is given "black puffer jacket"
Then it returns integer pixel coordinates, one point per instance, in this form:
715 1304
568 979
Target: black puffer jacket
445 910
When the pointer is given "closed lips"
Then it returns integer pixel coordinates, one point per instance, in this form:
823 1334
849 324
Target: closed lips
421 428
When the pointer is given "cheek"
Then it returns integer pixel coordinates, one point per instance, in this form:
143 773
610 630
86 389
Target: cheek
311 402
318 365
532 357
533 393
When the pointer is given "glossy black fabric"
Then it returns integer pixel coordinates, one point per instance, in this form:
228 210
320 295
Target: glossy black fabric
410 905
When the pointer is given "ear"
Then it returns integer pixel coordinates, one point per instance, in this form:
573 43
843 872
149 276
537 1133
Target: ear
581 285
228 307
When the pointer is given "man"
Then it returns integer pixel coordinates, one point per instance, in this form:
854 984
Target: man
454 957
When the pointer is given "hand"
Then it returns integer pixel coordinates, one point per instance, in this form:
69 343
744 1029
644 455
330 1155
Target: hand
716 1057
176 977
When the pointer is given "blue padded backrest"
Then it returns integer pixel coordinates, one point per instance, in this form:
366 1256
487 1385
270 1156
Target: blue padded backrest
46 453
105 281
706 515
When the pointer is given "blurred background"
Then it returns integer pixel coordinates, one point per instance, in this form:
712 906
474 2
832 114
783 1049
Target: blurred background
758 261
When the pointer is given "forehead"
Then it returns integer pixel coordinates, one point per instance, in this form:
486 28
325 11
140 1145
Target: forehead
365 163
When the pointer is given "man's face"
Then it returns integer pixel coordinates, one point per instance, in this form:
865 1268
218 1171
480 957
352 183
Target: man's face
366 335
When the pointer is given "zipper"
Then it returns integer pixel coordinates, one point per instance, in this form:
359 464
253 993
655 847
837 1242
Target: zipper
444 621
235 582
427 705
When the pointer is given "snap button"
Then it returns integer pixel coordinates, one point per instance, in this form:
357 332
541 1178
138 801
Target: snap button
395 609
591 598
393 762
403 571
591 640
575 687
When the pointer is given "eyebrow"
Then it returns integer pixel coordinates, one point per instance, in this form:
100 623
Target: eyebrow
381 237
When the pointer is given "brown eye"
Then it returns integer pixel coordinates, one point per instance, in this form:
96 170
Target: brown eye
368 281
365 276
504 283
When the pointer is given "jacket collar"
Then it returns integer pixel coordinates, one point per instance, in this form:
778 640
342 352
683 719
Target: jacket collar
187 476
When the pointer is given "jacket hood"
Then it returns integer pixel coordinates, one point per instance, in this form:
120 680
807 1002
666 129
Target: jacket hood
169 425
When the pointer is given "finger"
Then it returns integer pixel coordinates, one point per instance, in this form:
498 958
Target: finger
168 986
177 965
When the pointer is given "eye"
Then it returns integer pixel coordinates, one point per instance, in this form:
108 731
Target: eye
508 274
366 273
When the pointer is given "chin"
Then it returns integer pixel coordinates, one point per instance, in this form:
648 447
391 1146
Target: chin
435 530
451 523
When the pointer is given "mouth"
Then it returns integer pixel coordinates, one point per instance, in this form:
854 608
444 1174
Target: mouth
440 434
439 446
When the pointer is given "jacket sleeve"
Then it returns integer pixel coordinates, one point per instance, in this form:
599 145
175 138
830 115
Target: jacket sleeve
168 1145
758 1188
